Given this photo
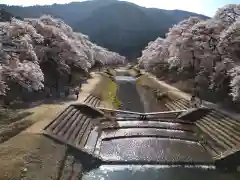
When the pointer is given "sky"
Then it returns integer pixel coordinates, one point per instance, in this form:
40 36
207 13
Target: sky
206 7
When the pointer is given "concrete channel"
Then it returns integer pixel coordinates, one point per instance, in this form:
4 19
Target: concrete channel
169 141
180 144
156 148
135 97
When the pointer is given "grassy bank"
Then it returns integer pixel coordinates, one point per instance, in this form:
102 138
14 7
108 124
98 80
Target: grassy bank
151 81
132 72
106 90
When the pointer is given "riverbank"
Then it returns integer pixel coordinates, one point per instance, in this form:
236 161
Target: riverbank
30 155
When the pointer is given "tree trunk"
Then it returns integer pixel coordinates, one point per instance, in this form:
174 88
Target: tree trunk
69 79
57 85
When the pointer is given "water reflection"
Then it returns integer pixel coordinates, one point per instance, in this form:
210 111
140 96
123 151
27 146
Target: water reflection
154 149
160 172
128 95
125 78
151 148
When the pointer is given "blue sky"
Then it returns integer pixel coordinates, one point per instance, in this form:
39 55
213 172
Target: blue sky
207 7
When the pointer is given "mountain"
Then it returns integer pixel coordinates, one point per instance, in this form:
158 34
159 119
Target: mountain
71 13
6 16
121 26
117 25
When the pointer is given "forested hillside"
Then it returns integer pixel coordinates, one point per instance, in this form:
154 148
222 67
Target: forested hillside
205 52
117 25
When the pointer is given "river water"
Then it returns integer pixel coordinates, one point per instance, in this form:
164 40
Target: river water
128 94
135 98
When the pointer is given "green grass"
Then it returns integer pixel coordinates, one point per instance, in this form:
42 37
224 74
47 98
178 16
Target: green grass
109 93
112 95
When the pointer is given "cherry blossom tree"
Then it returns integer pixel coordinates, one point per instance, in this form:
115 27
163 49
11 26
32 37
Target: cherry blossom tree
229 45
207 50
168 50
228 14
34 50
230 41
220 78
19 60
3 85
151 54
235 83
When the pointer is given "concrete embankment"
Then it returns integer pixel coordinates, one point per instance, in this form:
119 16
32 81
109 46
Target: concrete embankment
150 80
133 95
137 93
30 155
147 79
